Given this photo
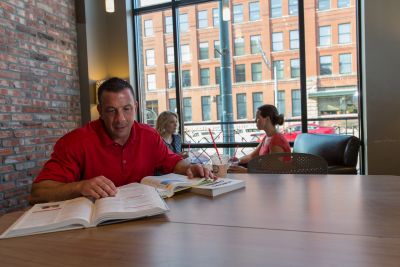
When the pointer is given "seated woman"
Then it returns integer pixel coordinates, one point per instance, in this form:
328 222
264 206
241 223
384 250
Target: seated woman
166 125
273 142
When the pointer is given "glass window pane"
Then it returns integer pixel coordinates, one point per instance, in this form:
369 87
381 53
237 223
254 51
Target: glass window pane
148 28
239 46
241 106
325 36
217 49
296 105
186 79
254 11
203 50
217 75
257 102
294 39
172 105
237 13
254 40
204 76
240 73
170 54
171 79
150 60
187 109
279 65
281 102
168 24
277 41
324 4
295 68
256 72
276 8
345 63
202 19
293 7
215 12
206 108
343 3
325 65
344 31
183 22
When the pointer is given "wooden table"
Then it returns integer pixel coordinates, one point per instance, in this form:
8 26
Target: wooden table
277 220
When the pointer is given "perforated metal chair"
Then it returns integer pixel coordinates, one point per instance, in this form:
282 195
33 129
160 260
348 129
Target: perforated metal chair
291 163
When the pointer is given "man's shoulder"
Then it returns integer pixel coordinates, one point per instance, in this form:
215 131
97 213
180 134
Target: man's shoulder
82 134
145 129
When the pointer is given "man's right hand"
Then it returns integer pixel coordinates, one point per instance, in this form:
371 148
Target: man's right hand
97 187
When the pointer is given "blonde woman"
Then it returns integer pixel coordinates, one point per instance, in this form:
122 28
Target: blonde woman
166 125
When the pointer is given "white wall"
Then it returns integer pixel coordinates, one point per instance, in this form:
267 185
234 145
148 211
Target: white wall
381 85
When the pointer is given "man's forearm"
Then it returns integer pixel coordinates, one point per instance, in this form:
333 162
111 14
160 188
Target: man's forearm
47 191
182 166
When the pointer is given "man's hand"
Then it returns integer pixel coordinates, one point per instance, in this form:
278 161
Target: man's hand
237 169
197 170
97 187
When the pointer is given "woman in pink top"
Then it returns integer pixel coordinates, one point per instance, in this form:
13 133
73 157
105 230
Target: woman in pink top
273 142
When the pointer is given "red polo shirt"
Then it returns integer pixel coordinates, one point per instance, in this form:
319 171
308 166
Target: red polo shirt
88 152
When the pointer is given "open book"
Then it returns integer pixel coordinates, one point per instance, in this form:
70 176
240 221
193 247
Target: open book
132 201
170 183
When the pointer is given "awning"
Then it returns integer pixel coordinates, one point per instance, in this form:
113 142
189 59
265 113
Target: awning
330 93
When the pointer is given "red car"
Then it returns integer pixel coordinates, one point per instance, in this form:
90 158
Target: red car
291 132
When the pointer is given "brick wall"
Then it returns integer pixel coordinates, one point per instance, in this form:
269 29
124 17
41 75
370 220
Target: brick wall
39 90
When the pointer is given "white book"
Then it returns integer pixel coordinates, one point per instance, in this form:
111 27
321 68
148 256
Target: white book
132 201
218 187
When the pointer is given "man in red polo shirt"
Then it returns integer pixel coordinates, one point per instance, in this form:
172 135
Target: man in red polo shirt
109 152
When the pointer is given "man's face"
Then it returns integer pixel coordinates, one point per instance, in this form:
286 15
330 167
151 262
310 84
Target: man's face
118 111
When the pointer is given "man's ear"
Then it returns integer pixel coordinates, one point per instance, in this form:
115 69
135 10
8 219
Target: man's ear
99 109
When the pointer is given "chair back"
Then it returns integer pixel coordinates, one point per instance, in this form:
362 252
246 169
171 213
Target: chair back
291 163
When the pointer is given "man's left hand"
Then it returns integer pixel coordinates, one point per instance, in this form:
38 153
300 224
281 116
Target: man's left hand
197 170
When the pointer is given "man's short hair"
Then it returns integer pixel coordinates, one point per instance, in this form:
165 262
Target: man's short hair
115 85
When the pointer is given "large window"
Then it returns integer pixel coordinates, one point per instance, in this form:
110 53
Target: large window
294 39
239 46
171 79
325 36
281 102
217 49
241 106
240 73
324 4
254 39
257 102
279 66
172 105
215 13
185 53
203 50
277 41
187 109
237 13
295 68
343 3
345 63
206 108
186 81
170 54
204 76
256 72
217 75
202 19
296 105
254 11
293 7
148 28
276 8
168 24
325 65
151 82
219 107
183 23
150 60
344 31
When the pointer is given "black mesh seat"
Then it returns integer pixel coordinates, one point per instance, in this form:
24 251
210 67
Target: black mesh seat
292 163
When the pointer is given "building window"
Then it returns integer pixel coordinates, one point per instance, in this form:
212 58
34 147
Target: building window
215 13
293 7
276 8
295 68
202 19
345 63
151 82
187 109
281 102
324 35
278 64
170 54
219 107
217 49
217 75
172 104
324 4
204 76
277 41
240 73
256 72
241 106
296 104
239 46
325 65
254 44
183 22
344 32
185 53
257 102
206 108
294 39
171 79
186 82
148 28
343 3
168 24
203 50
237 13
150 60
254 11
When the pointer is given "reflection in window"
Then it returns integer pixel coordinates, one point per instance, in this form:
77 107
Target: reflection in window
185 53
278 64
150 60
216 49
281 102
168 24
344 32
293 7
241 106
254 44
171 79
152 108
151 82
345 63
204 76
239 46
296 105
295 68
183 22
238 13
206 108
324 4
325 65
257 102
276 8
187 109
202 20
148 28
254 11
203 50
240 73
172 104
215 13
277 41
186 82
324 35
256 72
294 39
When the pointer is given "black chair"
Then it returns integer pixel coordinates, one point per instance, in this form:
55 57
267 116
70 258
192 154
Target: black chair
291 163
339 151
